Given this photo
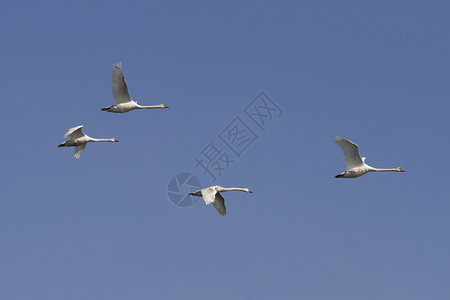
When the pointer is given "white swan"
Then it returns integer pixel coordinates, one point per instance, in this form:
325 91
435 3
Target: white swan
79 140
212 195
355 163
123 101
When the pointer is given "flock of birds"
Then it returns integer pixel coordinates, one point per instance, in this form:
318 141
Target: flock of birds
356 166
123 103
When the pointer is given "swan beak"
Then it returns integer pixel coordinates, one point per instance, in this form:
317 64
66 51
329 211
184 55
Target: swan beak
165 106
250 191
401 170
116 141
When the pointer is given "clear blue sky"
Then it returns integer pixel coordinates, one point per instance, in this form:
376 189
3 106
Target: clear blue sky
102 227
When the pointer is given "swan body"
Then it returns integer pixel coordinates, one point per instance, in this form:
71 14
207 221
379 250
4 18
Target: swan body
79 139
123 101
212 195
355 163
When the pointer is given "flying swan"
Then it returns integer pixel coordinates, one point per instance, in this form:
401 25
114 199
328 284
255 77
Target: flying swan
123 101
79 140
355 163
212 195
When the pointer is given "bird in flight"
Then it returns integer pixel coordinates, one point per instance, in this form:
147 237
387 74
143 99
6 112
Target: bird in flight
212 195
123 102
79 139
355 163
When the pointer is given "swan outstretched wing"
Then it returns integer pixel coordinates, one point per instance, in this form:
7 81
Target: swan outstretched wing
75 132
119 85
219 204
79 150
351 152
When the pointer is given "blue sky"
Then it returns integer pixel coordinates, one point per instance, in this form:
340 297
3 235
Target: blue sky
102 227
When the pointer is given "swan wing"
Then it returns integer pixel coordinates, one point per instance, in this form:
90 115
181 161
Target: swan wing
219 204
351 152
79 150
119 85
75 132
209 194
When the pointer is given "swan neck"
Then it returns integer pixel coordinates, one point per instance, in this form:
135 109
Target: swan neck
150 106
101 140
233 189
383 170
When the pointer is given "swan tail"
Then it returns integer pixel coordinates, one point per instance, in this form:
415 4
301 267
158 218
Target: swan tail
197 193
107 108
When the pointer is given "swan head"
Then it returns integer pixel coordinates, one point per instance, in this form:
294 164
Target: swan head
400 170
248 190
